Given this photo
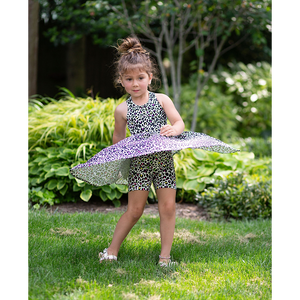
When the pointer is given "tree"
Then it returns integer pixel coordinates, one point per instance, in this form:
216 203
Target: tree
171 27
33 36
177 26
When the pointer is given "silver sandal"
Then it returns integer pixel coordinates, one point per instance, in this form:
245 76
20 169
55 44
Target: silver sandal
104 256
168 264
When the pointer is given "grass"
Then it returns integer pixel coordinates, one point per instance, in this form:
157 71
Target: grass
215 260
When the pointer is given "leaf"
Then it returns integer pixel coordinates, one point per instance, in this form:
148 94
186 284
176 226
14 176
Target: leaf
86 195
205 170
222 172
52 184
106 189
63 171
112 195
193 185
117 203
200 154
34 170
64 190
103 195
192 174
199 52
60 184
180 182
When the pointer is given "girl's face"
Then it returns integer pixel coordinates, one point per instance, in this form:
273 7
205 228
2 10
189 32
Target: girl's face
136 82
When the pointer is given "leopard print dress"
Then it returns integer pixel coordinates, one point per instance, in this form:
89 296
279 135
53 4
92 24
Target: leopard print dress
157 167
144 156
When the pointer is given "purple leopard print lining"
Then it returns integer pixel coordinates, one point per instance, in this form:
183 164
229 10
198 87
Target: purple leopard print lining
111 165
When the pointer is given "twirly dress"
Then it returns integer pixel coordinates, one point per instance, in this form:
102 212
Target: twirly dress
111 165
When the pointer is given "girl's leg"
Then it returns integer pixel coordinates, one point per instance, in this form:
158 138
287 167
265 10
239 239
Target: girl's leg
136 204
167 212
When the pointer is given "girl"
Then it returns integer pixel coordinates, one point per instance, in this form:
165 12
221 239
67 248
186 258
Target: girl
147 155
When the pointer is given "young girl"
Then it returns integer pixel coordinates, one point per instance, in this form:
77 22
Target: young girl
147 155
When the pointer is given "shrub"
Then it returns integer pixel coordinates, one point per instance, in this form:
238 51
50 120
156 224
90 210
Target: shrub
51 182
73 121
236 198
68 132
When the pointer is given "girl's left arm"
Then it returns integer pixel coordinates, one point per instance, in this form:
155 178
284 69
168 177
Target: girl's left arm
177 124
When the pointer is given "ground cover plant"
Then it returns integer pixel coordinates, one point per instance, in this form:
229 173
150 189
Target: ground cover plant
215 260
68 132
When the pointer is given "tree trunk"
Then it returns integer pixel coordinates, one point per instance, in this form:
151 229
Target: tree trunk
200 85
76 67
158 48
33 38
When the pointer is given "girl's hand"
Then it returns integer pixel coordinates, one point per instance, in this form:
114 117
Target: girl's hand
168 130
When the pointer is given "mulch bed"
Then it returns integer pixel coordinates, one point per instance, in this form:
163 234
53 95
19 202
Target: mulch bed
183 210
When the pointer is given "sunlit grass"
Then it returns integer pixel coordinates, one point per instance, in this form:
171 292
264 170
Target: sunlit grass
214 260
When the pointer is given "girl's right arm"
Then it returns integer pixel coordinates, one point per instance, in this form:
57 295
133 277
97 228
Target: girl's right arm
120 123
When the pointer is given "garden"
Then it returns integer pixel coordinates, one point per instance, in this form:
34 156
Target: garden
66 132
226 255
223 248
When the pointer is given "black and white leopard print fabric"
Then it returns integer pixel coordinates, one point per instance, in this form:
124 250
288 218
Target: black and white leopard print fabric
149 117
157 167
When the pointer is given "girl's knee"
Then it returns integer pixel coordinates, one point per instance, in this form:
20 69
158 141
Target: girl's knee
167 208
135 213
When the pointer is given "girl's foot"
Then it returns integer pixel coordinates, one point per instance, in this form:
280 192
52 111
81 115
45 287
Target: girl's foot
165 261
105 256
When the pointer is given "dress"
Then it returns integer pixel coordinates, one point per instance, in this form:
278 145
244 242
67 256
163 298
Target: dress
112 164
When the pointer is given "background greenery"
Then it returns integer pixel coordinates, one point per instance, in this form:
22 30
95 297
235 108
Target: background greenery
69 131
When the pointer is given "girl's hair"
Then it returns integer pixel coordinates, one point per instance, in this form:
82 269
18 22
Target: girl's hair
132 55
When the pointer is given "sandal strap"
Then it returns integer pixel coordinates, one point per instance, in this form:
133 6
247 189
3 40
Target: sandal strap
164 257
104 256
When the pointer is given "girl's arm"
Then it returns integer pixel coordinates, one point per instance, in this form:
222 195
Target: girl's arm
177 124
120 123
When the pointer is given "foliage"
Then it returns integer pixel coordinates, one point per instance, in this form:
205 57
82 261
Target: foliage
51 182
72 120
236 102
173 27
215 110
261 147
63 134
196 169
251 88
236 198
70 131
231 259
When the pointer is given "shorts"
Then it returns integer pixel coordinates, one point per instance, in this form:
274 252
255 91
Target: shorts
156 167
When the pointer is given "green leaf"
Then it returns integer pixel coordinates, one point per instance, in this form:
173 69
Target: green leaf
180 182
193 185
192 174
117 203
205 170
64 190
86 195
199 52
103 195
49 174
63 171
52 184
222 172
122 188
112 195
60 184
106 189
200 154
34 170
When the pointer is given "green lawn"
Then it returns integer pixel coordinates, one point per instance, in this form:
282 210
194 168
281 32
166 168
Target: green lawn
215 260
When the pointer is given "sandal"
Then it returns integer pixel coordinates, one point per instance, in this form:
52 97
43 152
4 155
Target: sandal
104 256
166 264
